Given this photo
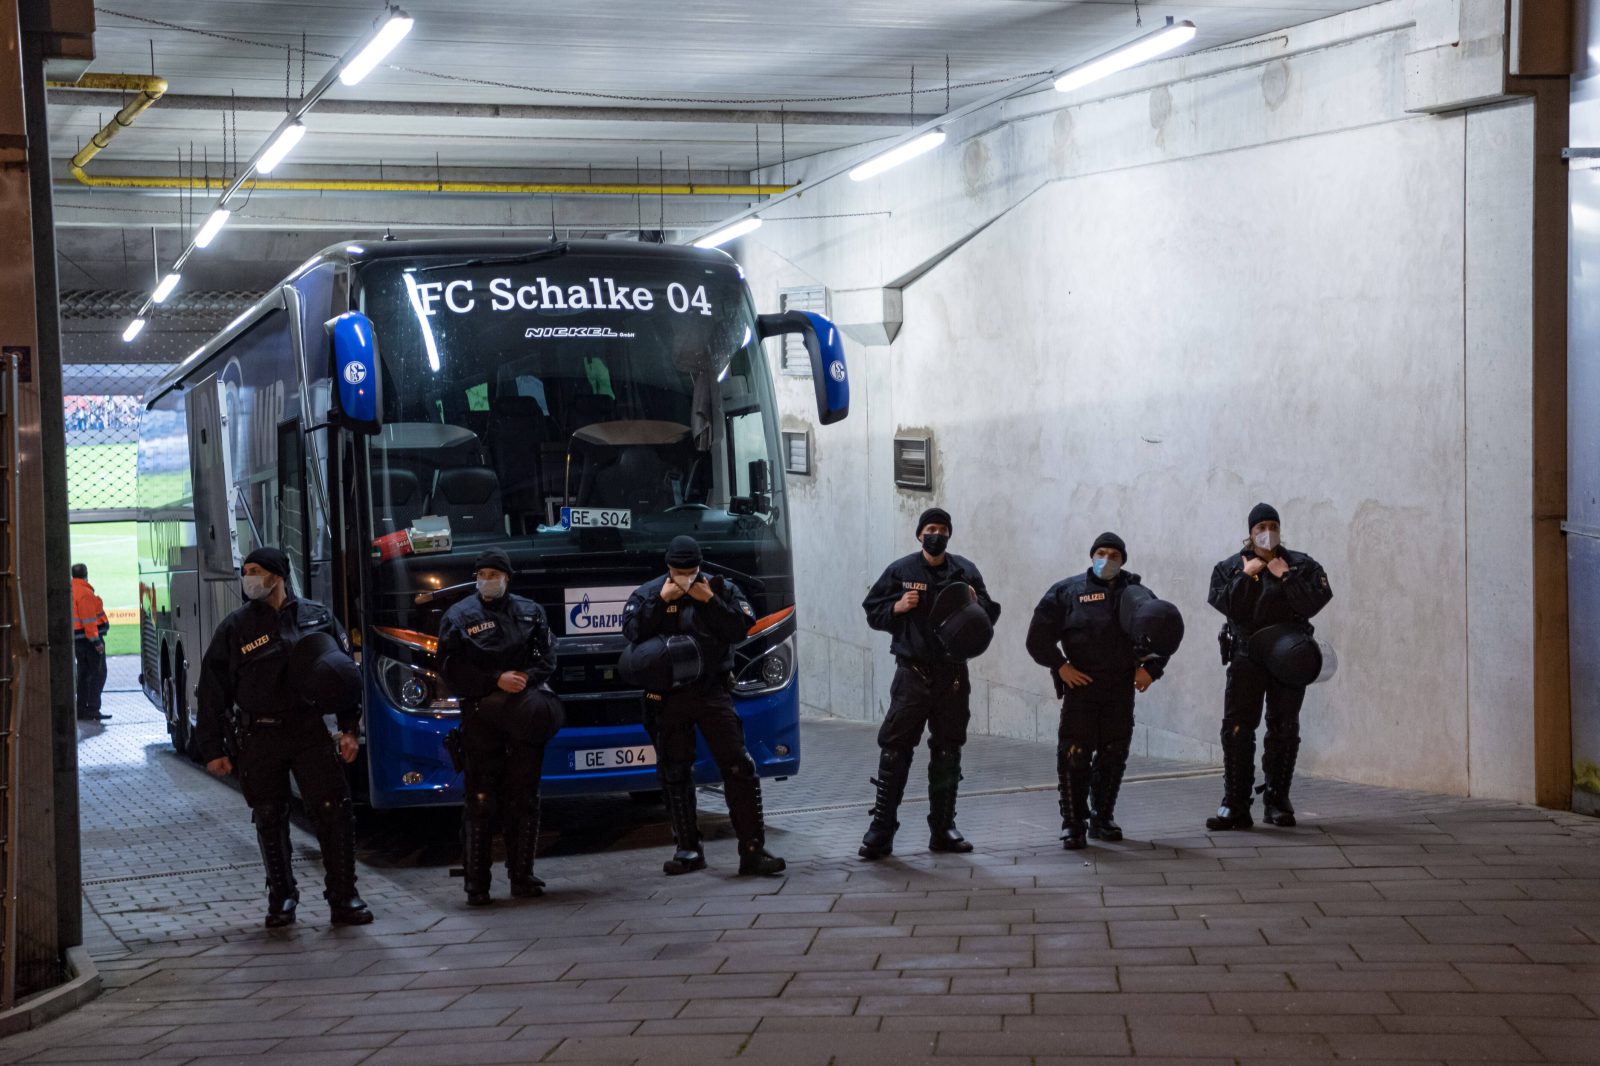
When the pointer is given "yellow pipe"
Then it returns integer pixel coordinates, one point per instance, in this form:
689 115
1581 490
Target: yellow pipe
149 89
363 185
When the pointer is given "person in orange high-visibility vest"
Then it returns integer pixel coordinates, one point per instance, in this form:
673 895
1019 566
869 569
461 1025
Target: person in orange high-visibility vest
89 625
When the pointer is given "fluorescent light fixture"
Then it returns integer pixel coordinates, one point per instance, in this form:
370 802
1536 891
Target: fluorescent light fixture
281 147
133 330
164 290
897 155
213 226
1130 55
717 238
391 33
422 321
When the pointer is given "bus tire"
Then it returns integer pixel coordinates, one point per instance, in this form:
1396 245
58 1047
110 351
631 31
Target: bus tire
177 717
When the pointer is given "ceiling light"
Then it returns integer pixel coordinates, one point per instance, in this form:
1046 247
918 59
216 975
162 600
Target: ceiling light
213 226
897 155
727 233
280 147
132 331
391 33
164 290
1129 55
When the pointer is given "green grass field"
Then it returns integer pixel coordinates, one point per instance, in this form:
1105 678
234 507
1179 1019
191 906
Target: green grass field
102 477
109 550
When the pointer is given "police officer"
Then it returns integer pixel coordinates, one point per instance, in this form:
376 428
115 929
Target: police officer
248 665
1264 584
930 690
714 614
497 654
1077 633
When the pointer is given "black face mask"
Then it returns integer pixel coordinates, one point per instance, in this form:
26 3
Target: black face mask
935 543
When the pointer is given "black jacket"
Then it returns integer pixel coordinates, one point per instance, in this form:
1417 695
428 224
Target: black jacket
1252 602
245 667
479 641
911 634
1077 622
716 625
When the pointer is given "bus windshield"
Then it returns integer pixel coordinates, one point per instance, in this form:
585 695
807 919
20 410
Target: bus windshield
572 401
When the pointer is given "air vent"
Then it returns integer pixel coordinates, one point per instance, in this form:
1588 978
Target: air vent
913 468
797 452
795 359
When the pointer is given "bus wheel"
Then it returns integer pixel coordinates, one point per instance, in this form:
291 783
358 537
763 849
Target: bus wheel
177 717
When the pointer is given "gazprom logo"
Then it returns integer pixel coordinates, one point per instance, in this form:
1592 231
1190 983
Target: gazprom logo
597 610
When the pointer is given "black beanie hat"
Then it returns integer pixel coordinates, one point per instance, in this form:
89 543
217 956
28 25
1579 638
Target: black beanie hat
271 560
1109 540
1263 512
493 559
683 553
936 515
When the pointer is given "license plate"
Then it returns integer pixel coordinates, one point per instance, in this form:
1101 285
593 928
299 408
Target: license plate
596 518
614 758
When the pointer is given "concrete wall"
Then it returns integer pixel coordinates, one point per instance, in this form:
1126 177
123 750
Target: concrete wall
1242 275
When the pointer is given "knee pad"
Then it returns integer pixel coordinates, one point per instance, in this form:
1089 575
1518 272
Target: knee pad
741 769
270 815
676 773
478 804
896 756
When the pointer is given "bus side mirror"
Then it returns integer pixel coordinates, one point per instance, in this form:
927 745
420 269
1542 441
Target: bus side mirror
357 401
826 349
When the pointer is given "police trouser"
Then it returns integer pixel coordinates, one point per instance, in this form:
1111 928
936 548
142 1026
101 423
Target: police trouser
1092 744
297 742
503 738
91 675
1249 687
935 697
671 719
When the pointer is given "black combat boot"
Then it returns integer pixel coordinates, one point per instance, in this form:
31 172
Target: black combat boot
944 782
677 793
522 845
1277 770
1072 784
338 836
894 768
277 855
477 849
742 789
1105 781
1238 775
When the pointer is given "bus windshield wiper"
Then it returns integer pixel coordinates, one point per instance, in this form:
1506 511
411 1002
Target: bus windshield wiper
559 248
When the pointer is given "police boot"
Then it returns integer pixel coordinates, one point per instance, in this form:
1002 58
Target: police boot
1238 775
477 847
1277 768
338 836
1072 785
1105 781
944 781
742 789
677 792
894 767
272 833
522 844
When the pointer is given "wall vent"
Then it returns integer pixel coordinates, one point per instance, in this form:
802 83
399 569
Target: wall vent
913 462
797 452
794 358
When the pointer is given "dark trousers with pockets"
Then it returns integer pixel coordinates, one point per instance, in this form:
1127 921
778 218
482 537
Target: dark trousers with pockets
935 698
502 744
297 743
671 719
91 675
1250 688
1093 741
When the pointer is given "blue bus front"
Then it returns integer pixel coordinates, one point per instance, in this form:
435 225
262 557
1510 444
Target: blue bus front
577 405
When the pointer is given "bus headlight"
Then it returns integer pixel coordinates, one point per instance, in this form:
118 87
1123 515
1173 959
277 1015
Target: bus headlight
415 690
767 671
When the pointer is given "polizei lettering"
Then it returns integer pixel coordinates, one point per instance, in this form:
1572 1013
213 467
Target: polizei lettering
473 631
461 296
254 644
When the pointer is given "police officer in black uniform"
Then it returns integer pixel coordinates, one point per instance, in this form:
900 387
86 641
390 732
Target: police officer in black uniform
497 654
1097 667
930 690
713 613
252 664
1264 584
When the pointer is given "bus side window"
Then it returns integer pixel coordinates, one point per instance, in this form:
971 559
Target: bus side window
291 500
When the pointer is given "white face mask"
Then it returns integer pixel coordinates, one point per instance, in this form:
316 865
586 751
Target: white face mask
492 588
1267 540
256 587
685 582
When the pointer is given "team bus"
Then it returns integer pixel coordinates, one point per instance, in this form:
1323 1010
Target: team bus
389 410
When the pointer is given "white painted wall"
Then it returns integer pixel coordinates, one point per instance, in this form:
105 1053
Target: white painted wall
1237 276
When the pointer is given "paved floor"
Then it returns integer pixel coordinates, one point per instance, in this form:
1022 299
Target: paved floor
1389 927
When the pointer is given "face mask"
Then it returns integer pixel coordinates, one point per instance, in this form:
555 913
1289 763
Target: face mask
492 588
1266 540
256 587
935 543
1106 568
685 582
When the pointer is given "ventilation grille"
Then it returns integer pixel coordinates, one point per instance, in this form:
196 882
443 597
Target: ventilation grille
795 359
797 452
913 466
